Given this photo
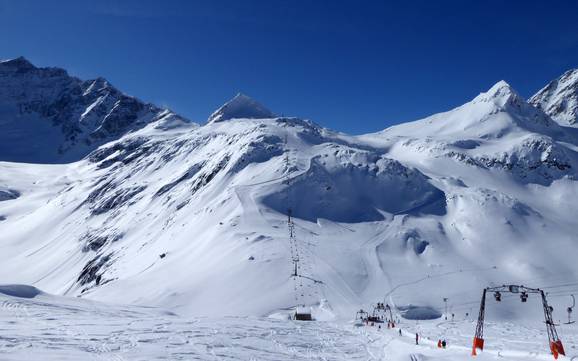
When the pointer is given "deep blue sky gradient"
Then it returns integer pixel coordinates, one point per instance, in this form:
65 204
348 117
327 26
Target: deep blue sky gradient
354 66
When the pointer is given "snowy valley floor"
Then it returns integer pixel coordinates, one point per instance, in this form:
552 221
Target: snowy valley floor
44 327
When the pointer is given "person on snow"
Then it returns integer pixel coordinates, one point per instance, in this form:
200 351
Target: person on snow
444 343
400 331
439 343
416 339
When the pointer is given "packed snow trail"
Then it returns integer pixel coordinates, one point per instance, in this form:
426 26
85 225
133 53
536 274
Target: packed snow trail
38 326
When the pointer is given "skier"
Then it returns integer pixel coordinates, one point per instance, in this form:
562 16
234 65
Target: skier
416 339
400 331
439 343
444 343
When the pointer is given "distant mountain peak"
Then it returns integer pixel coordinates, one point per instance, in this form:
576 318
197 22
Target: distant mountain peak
17 63
241 106
559 99
501 88
64 117
500 93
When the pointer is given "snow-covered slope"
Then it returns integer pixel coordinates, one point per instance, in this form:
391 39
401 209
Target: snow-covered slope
498 130
44 327
241 106
47 116
194 218
560 98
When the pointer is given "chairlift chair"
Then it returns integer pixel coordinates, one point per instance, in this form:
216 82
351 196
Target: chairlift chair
524 297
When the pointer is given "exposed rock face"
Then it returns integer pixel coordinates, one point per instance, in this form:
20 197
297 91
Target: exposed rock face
559 99
48 116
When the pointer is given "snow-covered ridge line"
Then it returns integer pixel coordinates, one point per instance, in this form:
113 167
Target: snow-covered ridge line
560 98
193 218
62 118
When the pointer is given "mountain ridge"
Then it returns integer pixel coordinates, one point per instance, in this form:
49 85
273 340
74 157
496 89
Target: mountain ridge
559 98
195 218
61 117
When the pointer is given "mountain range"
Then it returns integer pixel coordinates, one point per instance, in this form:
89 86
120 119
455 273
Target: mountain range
103 196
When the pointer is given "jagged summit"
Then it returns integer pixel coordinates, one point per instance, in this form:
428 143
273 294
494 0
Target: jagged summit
23 66
241 106
559 99
19 62
61 117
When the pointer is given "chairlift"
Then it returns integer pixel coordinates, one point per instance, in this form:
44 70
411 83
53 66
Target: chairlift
377 314
360 317
524 297
556 346
375 319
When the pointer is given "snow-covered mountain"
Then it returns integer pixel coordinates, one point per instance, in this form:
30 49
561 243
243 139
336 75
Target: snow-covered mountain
48 116
560 98
194 218
241 106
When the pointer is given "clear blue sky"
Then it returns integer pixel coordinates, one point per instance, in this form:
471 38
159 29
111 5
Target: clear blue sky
354 66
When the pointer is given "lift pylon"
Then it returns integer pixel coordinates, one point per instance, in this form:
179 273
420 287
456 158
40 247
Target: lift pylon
569 310
302 312
555 343
381 313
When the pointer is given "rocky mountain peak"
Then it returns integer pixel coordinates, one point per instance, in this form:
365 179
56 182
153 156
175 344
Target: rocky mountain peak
20 63
559 99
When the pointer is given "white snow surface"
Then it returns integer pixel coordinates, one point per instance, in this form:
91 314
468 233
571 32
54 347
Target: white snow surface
48 327
241 106
560 98
192 220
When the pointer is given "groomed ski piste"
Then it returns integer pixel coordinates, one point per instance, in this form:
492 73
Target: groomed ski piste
165 239
39 326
